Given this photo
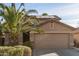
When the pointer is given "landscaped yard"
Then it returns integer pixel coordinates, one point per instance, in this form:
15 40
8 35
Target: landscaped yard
15 51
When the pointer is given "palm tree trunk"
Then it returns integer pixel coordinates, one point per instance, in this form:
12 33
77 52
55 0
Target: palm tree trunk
6 41
13 41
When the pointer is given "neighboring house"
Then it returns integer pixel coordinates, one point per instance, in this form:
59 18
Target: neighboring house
76 34
56 34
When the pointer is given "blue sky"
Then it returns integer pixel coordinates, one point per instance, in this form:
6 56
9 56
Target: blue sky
69 12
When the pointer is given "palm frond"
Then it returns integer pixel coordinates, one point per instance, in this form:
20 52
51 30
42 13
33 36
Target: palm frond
22 4
2 6
14 7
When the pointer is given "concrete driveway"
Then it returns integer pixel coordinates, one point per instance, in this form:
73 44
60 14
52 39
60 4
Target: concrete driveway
56 52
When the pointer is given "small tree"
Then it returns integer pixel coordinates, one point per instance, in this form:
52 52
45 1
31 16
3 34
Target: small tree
44 14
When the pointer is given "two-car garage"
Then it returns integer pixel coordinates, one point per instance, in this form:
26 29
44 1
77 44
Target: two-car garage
52 40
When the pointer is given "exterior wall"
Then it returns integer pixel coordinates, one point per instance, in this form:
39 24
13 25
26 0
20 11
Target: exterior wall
76 36
46 27
60 27
54 27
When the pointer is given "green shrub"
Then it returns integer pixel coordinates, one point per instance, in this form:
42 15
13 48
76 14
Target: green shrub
27 50
15 51
4 50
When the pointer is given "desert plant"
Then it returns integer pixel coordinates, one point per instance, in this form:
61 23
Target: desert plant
27 50
15 51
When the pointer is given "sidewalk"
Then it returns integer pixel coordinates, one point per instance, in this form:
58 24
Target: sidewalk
50 54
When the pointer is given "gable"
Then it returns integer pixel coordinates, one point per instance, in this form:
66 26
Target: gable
60 27
55 26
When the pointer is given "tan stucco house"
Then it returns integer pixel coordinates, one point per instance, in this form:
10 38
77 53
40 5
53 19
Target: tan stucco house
56 34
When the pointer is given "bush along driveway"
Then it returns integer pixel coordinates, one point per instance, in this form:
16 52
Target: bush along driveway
56 52
15 51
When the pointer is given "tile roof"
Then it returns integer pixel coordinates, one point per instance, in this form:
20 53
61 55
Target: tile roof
49 17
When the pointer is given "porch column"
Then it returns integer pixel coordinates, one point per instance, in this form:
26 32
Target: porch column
20 39
32 39
71 40
6 40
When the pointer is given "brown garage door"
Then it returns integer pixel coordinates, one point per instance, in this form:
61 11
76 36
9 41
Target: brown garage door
51 40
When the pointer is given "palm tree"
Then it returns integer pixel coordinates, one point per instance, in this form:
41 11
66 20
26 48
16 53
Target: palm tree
17 21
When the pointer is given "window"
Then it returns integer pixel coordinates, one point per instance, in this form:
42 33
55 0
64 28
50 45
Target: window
52 25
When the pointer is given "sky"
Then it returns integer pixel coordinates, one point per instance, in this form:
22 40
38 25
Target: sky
68 12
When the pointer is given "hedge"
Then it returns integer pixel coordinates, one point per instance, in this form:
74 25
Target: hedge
15 51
